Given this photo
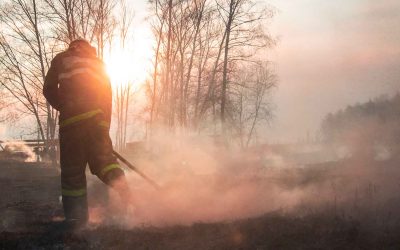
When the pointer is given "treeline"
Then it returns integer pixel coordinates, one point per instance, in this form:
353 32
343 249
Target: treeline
210 72
366 127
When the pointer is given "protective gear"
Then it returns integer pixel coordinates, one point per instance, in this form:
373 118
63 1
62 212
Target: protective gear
77 85
82 143
75 209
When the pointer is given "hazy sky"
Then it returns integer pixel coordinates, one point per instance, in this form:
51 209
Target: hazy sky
330 54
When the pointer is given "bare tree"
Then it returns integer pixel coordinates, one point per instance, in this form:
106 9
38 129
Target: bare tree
33 31
122 90
88 19
152 91
24 61
206 76
250 103
199 44
242 27
72 19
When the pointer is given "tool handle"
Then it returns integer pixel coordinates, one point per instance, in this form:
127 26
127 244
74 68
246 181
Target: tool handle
127 163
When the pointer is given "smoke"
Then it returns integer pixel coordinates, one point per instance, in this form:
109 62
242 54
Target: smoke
19 150
204 183
2 131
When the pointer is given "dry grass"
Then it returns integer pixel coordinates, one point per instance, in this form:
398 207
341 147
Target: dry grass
342 207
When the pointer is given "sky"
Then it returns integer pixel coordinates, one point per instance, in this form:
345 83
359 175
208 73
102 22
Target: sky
329 54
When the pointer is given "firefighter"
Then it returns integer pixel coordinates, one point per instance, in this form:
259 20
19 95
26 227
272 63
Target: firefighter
78 86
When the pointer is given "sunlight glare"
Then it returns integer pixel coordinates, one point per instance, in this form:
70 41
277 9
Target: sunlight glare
119 66
129 66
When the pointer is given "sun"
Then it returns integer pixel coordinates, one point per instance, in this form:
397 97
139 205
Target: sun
129 65
123 69
119 67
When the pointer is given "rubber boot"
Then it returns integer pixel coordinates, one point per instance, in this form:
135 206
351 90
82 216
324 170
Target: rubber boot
75 212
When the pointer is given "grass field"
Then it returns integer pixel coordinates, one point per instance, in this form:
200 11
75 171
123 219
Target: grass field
343 205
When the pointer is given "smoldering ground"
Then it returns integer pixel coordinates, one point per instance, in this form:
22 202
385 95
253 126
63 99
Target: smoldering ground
346 204
202 183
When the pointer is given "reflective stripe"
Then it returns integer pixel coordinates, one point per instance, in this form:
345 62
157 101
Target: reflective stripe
83 70
71 73
104 124
84 65
71 60
109 168
73 192
80 117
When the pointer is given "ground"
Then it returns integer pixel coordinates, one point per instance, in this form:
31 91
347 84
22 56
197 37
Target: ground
31 211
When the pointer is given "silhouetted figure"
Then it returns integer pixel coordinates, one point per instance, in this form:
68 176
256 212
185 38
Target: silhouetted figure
77 85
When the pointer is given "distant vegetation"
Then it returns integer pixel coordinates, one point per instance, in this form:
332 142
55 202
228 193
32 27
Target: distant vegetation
367 127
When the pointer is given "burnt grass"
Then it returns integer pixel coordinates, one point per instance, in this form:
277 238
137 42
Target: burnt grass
29 201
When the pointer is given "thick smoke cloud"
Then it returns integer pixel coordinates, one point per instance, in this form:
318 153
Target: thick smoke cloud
201 183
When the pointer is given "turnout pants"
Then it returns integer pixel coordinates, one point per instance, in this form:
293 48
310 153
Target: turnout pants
86 142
